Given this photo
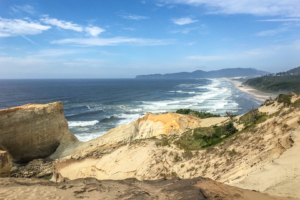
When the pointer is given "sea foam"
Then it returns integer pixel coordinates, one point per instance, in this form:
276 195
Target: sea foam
82 123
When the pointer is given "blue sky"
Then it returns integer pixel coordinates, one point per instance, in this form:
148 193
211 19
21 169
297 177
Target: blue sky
125 38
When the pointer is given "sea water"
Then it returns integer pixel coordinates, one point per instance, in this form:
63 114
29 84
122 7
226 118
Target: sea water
94 106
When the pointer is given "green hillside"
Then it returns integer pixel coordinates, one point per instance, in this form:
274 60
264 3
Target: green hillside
295 70
282 82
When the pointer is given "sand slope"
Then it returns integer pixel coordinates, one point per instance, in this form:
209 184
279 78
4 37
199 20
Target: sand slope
93 189
280 177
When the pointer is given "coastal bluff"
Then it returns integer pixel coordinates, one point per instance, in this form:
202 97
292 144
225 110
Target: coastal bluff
150 125
33 131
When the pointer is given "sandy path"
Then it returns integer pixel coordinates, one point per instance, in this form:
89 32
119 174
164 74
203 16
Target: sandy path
258 95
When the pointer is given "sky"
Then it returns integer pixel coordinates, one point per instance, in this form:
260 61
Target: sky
125 38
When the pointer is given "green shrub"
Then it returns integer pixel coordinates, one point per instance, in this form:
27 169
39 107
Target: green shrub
205 137
191 169
177 158
162 142
187 155
201 114
230 129
232 153
285 99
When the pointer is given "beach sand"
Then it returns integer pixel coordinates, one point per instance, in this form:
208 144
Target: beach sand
257 95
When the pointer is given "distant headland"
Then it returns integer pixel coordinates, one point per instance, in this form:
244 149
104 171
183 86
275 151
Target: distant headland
229 72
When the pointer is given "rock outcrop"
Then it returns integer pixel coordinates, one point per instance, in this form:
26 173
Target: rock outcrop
146 127
34 130
36 168
263 157
150 125
93 189
5 164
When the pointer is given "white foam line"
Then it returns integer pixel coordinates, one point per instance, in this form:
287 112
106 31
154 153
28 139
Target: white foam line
82 123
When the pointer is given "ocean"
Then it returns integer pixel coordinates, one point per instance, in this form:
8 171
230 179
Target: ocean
94 106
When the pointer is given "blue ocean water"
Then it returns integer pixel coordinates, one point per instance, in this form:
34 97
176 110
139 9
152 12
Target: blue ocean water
94 106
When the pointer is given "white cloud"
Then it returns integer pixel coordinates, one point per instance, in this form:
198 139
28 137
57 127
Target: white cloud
25 8
62 24
281 20
184 21
134 17
288 8
191 43
55 52
112 41
272 32
288 26
13 27
94 30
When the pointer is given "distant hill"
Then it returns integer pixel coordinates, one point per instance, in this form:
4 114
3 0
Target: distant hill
282 82
295 70
230 72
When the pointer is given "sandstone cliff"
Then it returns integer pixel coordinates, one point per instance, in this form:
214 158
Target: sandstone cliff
34 130
150 125
146 127
263 156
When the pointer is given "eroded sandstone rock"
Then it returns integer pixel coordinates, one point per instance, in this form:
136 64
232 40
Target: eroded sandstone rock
93 189
146 127
35 168
5 164
34 130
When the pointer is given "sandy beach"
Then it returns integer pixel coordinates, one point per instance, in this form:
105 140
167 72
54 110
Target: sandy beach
257 95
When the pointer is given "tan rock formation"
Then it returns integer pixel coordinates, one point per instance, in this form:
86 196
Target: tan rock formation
5 164
93 189
34 130
150 125
264 157
146 127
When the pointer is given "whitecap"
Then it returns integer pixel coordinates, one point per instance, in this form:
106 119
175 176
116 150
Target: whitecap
127 118
82 123
89 136
135 110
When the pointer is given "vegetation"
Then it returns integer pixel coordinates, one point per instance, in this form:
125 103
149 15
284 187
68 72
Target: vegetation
47 177
254 114
205 137
281 82
177 158
230 115
252 118
168 175
232 153
163 142
187 155
285 98
201 114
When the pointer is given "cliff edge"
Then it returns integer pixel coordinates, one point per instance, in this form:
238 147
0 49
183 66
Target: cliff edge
34 130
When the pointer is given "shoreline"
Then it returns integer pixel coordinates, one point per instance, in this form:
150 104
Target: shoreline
257 94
